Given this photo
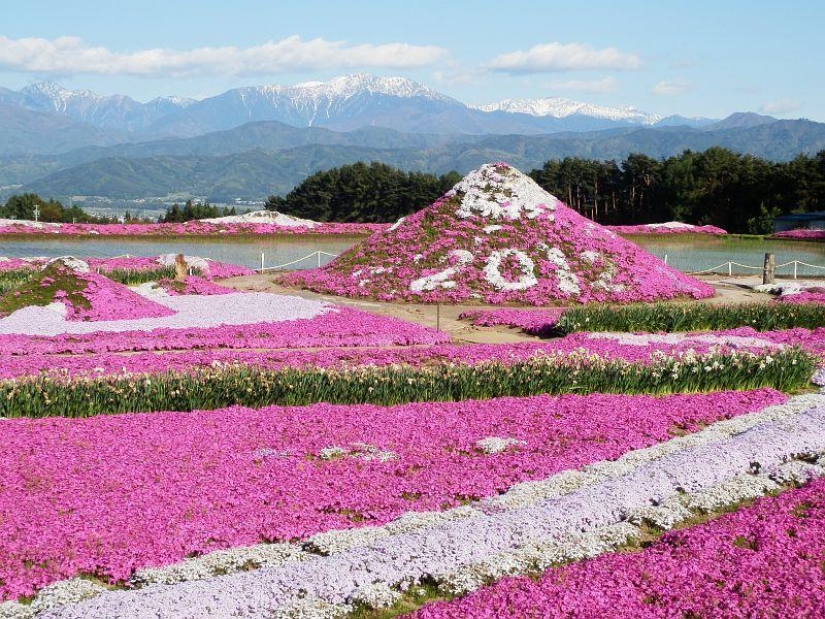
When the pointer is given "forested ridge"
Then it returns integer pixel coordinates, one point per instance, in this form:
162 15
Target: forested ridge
740 193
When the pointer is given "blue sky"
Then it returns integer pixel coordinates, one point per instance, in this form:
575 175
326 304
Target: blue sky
697 59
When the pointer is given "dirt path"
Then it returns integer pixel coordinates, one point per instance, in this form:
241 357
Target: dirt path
445 317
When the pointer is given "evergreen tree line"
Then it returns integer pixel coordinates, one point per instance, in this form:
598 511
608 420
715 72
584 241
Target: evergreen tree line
740 193
189 211
362 193
22 206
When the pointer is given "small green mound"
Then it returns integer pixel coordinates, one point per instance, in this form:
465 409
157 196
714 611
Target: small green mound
56 282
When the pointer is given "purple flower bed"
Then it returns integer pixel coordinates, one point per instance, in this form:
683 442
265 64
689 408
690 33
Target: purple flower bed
109 495
193 285
94 357
343 327
761 561
532 322
804 234
209 268
672 227
191 228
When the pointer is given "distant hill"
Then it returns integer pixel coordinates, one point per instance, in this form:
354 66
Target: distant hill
220 175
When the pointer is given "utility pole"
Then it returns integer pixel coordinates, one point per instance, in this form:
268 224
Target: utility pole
36 213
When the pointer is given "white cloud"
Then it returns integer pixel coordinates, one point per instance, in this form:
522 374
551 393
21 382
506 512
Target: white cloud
671 87
780 107
607 84
550 57
70 55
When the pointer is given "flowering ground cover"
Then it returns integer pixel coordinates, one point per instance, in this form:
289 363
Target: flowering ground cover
565 517
671 227
761 561
158 265
804 234
498 237
35 356
190 228
106 496
69 294
533 322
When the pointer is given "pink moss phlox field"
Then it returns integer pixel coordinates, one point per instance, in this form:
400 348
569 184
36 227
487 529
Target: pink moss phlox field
91 359
532 322
761 561
343 327
666 228
193 285
109 300
214 270
806 296
191 228
497 237
803 234
109 495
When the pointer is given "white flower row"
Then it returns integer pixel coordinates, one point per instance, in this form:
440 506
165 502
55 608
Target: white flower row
539 517
496 193
190 311
645 339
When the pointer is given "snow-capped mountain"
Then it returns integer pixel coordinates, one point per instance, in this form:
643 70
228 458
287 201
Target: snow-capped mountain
343 103
116 112
558 107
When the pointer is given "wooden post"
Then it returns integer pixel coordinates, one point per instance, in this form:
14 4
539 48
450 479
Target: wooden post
262 262
769 269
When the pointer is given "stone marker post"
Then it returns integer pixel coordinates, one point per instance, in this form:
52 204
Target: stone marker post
769 269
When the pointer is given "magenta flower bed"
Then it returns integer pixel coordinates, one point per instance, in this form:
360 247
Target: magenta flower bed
802 234
761 561
109 495
36 355
133 263
109 300
344 327
191 228
817 296
193 285
667 228
533 322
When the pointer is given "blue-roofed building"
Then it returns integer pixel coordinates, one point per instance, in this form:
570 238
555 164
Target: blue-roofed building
793 221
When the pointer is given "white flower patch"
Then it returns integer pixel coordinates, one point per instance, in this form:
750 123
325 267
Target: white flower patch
239 308
263 217
497 444
360 451
501 194
645 339
568 281
442 279
492 272
374 595
396 224
192 262
75 264
489 229
462 257
417 258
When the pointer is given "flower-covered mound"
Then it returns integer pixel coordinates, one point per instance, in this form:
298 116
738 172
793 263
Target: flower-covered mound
68 290
109 495
498 237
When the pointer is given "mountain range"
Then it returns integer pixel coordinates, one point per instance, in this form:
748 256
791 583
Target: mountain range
59 142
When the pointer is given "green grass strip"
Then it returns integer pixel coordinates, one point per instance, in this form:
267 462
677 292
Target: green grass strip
208 388
695 317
